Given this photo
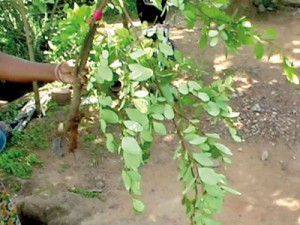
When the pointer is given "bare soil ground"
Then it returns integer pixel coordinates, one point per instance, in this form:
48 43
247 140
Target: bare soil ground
265 168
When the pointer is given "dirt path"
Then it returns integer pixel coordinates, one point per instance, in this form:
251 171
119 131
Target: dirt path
270 188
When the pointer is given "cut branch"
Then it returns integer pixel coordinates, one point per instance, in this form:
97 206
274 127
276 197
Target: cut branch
75 115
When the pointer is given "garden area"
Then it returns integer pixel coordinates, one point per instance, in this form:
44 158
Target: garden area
203 129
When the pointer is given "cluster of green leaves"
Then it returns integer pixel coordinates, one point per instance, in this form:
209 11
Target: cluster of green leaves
136 81
217 26
136 109
71 32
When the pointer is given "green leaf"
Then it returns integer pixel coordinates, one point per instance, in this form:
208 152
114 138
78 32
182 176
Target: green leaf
236 138
203 41
141 104
224 35
132 181
223 149
110 145
214 41
203 159
137 116
271 33
168 112
226 159
166 49
195 139
138 206
159 128
203 96
158 108
234 134
103 125
214 190
259 50
190 129
213 33
139 72
213 135
132 160
141 93
204 147
208 176
178 57
167 91
105 101
130 145
212 108
158 116
193 85
213 12
183 88
190 16
109 116
295 79
247 24
104 73
133 125
137 54
147 135
105 55
230 190
210 221
189 186
126 180
222 26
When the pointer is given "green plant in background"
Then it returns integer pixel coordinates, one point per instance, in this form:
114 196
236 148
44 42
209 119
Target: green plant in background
19 158
18 162
33 138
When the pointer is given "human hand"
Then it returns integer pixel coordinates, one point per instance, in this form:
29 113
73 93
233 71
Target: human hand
64 72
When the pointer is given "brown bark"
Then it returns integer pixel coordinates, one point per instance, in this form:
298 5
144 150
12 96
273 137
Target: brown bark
75 115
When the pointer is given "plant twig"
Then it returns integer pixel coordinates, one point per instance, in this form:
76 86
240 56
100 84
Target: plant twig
75 115
29 41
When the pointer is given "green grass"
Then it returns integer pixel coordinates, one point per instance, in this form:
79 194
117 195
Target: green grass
33 138
85 193
19 159
18 162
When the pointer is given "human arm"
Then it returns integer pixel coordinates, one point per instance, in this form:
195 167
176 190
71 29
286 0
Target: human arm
19 70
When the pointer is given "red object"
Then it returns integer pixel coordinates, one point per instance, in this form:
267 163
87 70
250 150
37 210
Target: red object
97 15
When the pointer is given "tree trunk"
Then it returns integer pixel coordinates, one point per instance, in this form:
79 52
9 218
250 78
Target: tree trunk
29 41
